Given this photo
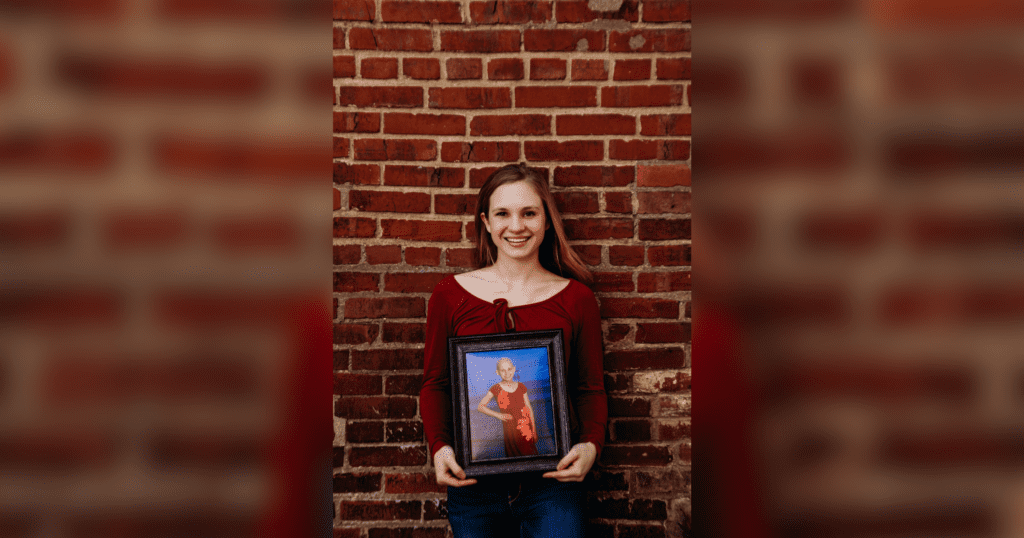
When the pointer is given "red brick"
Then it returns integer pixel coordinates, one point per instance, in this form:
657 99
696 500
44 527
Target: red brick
672 68
77 152
579 150
590 254
340 356
422 230
390 39
626 255
608 282
576 202
480 151
666 10
422 68
344 66
378 510
577 11
638 96
593 176
354 10
354 334
599 228
501 125
635 307
357 482
364 432
423 176
547 69
662 333
354 227
470 98
618 202
460 257
440 124
589 70
234 160
663 175
454 204
563 40
357 384
386 456
464 68
505 69
340 147
382 254
649 282
674 430
374 407
389 201
632 70
356 174
379 68
412 282
391 307
669 255
595 124
405 432
664 229
423 256
346 254
509 12
380 149
629 407
852 229
345 282
421 11
339 38
168 78
406 333
381 96
413 483
387 359
484 41
356 122
675 40
665 125
123 229
630 430
614 382
546 96
646 359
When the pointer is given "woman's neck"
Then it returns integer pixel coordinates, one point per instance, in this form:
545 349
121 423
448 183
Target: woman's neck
515 273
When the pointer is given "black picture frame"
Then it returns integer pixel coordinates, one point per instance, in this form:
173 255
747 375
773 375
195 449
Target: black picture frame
470 359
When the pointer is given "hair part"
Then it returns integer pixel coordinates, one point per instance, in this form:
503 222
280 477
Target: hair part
556 254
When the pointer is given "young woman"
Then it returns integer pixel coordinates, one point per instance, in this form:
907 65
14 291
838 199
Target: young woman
530 280
518 423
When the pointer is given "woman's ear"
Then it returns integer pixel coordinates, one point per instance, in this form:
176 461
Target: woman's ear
483 217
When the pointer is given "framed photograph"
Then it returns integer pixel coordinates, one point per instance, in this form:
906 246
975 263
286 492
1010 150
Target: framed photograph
509 401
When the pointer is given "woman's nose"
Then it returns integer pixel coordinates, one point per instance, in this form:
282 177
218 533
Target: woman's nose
517 223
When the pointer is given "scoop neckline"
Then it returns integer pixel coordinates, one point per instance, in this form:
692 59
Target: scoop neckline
492 303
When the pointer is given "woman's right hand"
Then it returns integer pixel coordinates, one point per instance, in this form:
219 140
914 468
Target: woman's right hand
505 417
447 470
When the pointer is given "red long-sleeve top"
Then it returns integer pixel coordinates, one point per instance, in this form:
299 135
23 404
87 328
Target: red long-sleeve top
453 311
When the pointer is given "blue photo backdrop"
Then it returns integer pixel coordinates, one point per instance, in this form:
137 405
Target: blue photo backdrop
486 438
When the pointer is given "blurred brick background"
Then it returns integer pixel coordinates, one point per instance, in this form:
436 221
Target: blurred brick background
431 97
164 268
858 212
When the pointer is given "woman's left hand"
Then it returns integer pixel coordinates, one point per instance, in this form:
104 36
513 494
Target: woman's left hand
576 464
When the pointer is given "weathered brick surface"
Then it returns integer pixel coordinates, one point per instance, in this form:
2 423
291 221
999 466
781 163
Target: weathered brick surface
432 97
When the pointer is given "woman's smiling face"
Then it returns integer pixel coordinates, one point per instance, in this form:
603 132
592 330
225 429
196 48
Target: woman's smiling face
516 221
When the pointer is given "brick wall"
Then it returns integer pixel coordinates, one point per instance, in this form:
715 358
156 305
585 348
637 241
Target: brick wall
859 171
430 97
164 274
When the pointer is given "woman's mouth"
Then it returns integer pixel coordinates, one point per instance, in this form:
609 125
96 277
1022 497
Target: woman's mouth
517 241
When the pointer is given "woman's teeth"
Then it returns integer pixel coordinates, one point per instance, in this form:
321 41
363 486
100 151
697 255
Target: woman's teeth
517 241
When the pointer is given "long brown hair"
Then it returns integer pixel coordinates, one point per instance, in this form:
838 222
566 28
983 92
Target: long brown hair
556 255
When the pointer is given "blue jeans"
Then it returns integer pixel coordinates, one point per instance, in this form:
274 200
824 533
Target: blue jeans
517 506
